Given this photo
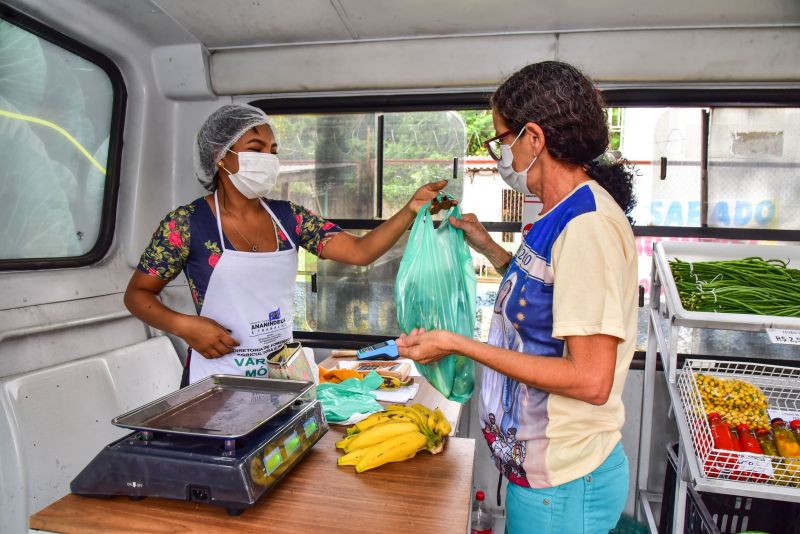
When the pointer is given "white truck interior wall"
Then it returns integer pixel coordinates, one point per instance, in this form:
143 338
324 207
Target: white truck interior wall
764 55
222 23
168 95
56 325
54 420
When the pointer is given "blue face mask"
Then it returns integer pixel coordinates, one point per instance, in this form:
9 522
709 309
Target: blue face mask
516 180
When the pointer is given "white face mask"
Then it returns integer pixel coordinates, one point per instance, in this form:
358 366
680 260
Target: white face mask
516 180
257 174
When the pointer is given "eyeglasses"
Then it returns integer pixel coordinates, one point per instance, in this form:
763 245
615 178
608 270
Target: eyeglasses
492 145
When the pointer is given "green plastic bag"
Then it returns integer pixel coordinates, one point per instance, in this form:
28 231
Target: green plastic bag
340 401
435 290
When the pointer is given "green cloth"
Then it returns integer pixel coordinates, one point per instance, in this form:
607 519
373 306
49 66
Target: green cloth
340 401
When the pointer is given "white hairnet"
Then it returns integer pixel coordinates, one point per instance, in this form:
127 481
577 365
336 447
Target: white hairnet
220 131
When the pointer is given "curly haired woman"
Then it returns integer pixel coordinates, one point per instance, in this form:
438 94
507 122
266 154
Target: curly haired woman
563 331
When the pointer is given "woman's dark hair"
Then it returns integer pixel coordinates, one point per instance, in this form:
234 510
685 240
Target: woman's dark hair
571 112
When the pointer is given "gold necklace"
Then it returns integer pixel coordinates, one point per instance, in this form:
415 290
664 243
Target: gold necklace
253 246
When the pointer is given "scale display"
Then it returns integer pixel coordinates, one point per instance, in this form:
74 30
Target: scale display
291 444
310 426
272 461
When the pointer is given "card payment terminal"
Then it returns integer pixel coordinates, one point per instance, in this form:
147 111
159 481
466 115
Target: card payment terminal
381 351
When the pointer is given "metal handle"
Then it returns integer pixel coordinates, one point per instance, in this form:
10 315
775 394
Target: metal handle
72 323
313 276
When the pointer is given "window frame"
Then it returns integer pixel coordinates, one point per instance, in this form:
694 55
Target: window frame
614 97
108 211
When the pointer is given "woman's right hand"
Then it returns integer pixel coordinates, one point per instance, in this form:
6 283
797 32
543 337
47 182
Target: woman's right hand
206 336
474 232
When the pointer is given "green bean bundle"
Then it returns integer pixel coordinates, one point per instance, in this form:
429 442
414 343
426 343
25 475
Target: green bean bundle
750 285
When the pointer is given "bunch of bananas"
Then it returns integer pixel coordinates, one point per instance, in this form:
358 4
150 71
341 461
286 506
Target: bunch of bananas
737 401
393 435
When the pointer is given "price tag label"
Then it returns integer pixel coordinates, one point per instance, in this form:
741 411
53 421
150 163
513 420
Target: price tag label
783 413
756 463
786 337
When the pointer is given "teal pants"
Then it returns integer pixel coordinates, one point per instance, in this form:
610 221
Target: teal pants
589 505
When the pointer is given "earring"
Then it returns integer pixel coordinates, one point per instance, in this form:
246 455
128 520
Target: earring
219 163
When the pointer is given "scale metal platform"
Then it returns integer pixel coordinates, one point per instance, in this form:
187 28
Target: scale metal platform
224 440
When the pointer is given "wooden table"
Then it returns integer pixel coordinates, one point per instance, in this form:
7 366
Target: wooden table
429 494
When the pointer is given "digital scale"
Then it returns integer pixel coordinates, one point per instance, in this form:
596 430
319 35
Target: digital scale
381 351
224 440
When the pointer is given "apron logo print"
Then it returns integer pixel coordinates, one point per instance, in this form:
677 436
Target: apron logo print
273 323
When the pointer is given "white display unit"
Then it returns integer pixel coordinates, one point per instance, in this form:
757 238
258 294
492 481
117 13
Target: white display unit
665 317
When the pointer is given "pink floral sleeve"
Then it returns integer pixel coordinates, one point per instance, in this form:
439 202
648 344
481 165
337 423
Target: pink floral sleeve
168 251
314 231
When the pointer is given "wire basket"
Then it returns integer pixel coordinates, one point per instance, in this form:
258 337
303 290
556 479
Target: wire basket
720 513
781 386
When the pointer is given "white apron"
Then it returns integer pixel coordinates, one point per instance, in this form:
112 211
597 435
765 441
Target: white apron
252 294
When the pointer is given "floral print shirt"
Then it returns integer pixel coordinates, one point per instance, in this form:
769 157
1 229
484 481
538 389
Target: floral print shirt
188 240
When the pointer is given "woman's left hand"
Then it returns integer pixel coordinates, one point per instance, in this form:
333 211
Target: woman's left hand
425 194
425 347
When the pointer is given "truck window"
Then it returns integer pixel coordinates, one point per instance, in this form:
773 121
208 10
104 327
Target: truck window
57 108
358 168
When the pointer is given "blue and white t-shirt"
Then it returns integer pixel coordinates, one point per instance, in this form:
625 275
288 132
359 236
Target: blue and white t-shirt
575 274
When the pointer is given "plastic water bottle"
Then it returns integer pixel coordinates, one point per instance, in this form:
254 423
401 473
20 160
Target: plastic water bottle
482 519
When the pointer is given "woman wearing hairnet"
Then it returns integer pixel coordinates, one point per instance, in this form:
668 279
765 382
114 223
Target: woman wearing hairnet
239 249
